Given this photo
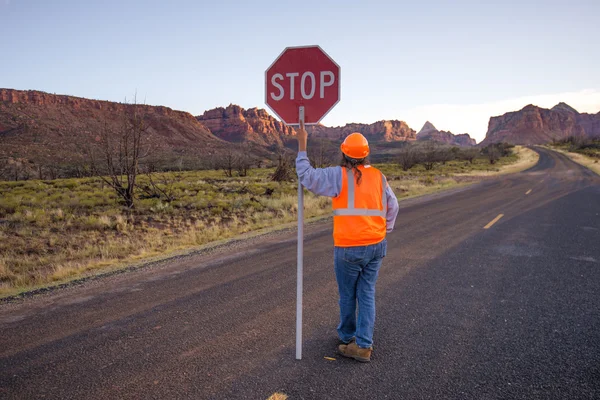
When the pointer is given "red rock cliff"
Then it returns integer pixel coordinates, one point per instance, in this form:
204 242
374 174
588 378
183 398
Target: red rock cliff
39 125
235 124
536 125
382 131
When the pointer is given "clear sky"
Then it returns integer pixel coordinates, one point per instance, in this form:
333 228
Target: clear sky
454 63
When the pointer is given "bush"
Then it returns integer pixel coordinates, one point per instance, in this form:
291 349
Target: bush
469 154
428 155
408 157
586 146
8 206
427 180
494 151
284 169
433 153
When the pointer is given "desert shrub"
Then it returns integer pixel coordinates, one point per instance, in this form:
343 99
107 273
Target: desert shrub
408 157
493 154
70 184
590 152
57 214
9 206
97 222
15 184
283 172
427 180
495 151
431 153
468 154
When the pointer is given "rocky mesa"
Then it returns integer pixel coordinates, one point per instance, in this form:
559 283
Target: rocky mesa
235 124
537 125
380 131
430 132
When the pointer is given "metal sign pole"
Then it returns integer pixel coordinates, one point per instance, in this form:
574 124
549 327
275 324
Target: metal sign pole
299 276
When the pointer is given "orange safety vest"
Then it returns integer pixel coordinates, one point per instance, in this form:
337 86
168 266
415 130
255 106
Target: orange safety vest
359 211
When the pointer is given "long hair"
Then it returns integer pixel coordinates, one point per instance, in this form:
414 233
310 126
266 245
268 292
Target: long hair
353 163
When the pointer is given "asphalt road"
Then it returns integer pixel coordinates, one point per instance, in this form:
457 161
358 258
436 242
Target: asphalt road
508 312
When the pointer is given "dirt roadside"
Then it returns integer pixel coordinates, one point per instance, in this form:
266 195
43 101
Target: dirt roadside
216 253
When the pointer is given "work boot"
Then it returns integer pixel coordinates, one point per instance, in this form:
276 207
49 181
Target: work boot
353 351
340 341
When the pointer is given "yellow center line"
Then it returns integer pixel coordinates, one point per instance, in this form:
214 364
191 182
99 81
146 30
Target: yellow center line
529 191
492 222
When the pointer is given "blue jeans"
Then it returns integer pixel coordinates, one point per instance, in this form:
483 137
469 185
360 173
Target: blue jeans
356 271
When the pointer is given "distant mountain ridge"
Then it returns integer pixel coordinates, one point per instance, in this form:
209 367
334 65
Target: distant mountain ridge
52 129
235 124
537 125
430 132
380 131
48 130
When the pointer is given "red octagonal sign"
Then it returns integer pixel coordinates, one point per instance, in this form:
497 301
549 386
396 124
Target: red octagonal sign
302 76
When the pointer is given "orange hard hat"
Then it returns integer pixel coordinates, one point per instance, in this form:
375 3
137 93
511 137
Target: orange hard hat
355 146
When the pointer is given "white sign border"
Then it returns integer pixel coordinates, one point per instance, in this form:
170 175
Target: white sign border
339 83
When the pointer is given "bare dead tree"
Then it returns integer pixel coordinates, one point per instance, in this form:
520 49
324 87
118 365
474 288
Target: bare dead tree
160 186
444 154
18 169
53 171
212 162
179 163
122 152
228 162
429 155
92 157
408 157
283 172
319 155
5 173
244 162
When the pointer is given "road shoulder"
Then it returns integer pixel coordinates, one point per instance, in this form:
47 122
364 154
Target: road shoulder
588 162
242 245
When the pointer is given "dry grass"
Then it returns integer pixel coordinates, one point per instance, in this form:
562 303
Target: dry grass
581 159
408 188
56 231
525 159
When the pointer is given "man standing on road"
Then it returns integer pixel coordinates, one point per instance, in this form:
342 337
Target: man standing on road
364 211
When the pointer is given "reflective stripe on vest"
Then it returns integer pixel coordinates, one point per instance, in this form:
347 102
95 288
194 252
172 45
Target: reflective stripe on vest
367 212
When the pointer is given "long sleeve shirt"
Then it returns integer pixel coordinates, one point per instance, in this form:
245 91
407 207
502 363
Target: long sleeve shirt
328 182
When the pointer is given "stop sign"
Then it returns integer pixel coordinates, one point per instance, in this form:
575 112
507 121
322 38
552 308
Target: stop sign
302 76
